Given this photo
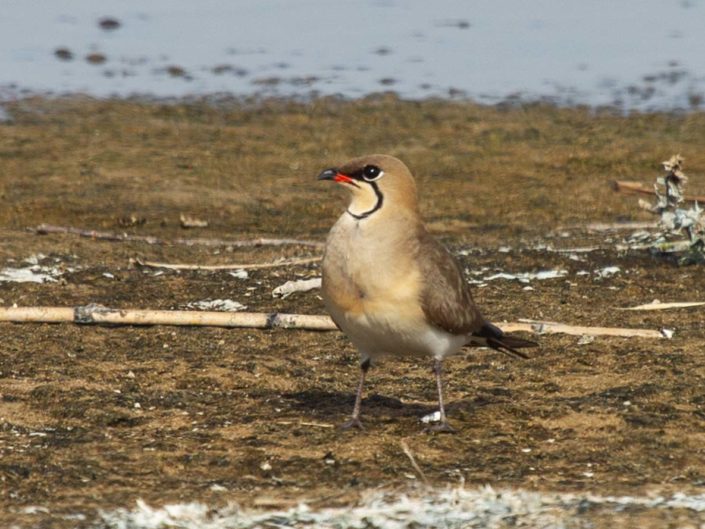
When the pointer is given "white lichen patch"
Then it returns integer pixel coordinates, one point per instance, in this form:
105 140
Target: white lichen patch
522 277
607 271
484 507
223 305
239 274
33 271
299 285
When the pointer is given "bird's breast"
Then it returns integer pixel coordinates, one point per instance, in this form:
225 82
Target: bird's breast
371 287
377 276
368 270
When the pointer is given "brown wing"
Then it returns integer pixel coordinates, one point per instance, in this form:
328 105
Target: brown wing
445 299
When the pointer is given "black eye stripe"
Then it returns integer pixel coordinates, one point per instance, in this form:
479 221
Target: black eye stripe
368 173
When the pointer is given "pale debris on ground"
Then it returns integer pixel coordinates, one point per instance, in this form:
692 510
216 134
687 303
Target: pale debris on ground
431 417
423 508
223 305
33 271
299 285
522 277
674 219
607 271
658 305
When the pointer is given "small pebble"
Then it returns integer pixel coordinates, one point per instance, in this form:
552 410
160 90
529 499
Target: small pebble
431 417
176 71
586 339
96 58
109 23
63 54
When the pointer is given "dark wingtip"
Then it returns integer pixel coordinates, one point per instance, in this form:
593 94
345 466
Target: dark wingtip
504 348
506 343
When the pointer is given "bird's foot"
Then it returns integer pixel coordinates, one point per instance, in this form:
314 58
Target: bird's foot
352 423
441 427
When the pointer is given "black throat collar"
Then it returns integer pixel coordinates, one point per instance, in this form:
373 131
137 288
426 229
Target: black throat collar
378 205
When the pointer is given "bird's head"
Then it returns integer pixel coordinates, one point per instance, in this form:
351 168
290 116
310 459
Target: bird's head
376 183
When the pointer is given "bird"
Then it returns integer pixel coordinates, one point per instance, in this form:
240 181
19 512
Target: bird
390 286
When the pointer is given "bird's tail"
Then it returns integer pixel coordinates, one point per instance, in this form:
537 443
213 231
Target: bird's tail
492 336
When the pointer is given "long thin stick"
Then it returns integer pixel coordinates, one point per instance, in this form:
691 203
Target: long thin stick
637 188
44 229
407 451
657 305
96 314
250 266
550 327
609 226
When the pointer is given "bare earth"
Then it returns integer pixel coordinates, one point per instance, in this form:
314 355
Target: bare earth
94 418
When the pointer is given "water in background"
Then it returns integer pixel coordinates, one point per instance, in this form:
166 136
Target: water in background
636 54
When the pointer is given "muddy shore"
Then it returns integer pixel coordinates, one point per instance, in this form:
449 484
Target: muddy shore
94 418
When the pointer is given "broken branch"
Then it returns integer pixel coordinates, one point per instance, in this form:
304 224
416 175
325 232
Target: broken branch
637 188
97 314
250 266
609 226
657 305
44 229
407 451
550 327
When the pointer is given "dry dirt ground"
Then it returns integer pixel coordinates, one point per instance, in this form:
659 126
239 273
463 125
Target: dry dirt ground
95 417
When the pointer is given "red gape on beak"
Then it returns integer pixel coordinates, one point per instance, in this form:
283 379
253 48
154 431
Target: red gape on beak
340 177
336 176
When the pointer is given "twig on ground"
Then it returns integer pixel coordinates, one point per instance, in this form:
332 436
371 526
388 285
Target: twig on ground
245 266
610 226
304 423
550 327
637 188
661 246
44 229
417 468
581 249
97 314
657 305
317 424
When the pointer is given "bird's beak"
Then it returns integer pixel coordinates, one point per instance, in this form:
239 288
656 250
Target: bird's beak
336 176
328 174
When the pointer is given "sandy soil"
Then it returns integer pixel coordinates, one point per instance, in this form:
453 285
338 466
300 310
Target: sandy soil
94 417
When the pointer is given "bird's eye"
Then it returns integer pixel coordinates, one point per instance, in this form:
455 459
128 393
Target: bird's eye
371 172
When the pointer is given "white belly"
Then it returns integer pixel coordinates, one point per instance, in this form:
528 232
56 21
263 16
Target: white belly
394 332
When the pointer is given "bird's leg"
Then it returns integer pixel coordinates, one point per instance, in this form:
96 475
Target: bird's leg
354 421
443 425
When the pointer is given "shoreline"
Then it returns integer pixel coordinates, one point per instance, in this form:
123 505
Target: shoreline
15 95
